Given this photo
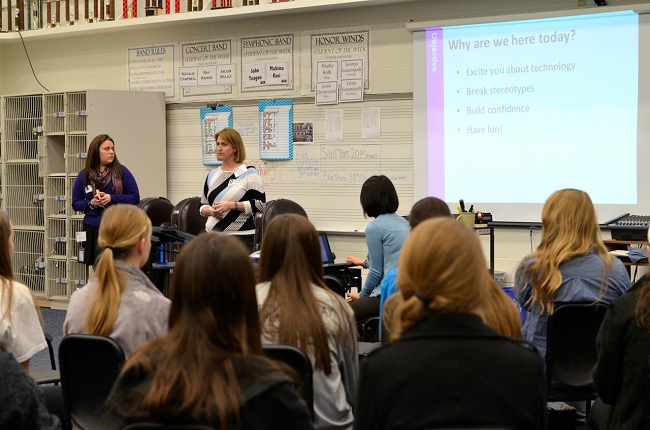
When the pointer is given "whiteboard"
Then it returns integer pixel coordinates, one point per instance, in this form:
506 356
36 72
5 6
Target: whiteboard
323 177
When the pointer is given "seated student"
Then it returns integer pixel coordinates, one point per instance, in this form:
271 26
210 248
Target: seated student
428 207
492 313
623 344
21 333
22 401
209 369
571 264
297 308
446 367
120 301
384 237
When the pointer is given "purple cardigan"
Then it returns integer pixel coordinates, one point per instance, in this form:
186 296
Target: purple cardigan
81 196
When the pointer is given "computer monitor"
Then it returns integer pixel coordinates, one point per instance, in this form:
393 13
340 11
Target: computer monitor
325 249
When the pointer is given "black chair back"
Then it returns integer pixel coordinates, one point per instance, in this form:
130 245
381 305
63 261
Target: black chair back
571 350
89 366
159 426
470 427
158 209
299 361
186 216
571 342
274 208
335 284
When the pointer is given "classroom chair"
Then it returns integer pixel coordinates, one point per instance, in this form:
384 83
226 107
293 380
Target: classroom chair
571 351
89 366
274 208
160 426
369 329
47 376
299 361
335 284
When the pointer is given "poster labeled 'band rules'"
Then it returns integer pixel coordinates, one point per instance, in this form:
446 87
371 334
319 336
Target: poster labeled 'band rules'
151 68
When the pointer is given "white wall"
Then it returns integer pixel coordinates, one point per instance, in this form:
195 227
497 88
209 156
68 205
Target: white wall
92 60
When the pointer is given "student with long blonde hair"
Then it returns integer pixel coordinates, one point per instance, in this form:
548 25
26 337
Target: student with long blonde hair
21 336
570 265
21 333
120 301
446 366
296 308
209 369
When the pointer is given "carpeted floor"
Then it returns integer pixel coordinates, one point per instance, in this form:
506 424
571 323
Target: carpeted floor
52 324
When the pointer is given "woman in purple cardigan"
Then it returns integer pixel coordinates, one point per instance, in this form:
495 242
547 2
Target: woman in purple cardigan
103 182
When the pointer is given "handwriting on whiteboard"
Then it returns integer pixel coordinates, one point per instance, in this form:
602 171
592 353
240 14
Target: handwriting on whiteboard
325 165
336 164
339 152
266 170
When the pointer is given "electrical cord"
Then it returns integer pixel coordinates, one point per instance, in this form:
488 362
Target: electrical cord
30 61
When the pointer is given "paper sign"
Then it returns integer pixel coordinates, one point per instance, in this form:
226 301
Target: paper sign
327 93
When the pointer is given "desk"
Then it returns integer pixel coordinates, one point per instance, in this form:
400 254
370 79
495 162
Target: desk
617 245
161 275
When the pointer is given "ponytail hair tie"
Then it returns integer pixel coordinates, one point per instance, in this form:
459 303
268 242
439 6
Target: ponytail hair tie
4 212
423 299
109 247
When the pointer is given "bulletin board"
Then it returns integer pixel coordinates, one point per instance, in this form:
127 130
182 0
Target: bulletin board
325 177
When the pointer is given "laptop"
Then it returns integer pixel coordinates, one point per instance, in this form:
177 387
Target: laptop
326 252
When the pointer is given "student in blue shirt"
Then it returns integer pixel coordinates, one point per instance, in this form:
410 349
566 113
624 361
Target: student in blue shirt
385 236
571 265
428 207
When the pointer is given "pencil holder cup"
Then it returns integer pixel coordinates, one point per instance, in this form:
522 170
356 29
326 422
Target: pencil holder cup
467 218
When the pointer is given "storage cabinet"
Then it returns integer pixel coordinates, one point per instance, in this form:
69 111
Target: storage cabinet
44 143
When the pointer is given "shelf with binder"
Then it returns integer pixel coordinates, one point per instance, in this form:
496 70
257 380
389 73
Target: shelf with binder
56 23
